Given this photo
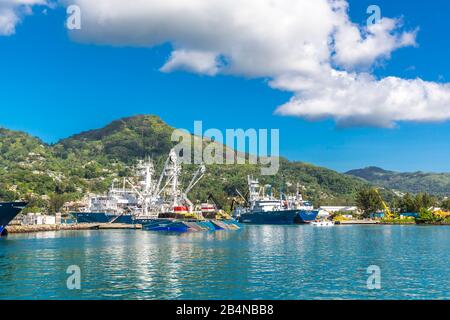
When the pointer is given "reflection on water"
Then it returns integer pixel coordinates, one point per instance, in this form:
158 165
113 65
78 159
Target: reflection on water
258 262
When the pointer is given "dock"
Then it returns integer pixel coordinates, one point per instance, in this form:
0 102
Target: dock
68 227
115 226
357 222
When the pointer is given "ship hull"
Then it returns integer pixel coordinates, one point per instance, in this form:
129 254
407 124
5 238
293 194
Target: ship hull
101 217
8 211
284 217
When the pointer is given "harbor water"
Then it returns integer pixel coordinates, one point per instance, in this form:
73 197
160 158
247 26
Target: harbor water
257 262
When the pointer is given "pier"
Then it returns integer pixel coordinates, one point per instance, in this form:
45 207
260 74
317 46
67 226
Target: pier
357 222
68 227
112 226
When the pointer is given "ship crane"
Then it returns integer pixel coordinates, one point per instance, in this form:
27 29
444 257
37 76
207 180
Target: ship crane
245 198
171 172
169 180
198 175
158 188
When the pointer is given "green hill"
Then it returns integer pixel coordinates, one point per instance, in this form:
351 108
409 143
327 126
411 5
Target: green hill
90 161
414 182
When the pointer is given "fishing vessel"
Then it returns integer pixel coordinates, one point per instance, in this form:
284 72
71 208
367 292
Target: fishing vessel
177 212
174 201
132 202
158 205
264 208
8 211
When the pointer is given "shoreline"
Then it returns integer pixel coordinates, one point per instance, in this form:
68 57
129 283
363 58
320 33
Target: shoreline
16 229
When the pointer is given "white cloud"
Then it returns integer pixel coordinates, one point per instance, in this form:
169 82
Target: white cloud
8 21
194 61
12 11
380 39
308 47
360 99
257 38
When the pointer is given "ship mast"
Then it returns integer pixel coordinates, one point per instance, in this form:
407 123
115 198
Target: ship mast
253 190
170 177
145 170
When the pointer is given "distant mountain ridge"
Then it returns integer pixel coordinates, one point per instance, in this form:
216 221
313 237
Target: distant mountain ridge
90 161
414 182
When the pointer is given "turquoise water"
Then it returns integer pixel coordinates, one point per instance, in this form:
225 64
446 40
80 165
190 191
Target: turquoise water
258 262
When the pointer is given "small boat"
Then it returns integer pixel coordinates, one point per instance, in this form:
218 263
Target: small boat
323 223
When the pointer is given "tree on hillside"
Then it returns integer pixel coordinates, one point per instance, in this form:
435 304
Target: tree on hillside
424 200
446 204
7 195
35 204
409 204
56 202
368 201
414 204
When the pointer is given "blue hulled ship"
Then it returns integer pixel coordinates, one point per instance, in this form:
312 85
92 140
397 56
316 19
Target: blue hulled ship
281 217
132 202
8 211
264 208
105 217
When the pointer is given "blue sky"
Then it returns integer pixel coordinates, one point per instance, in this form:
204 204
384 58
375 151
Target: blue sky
53 87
